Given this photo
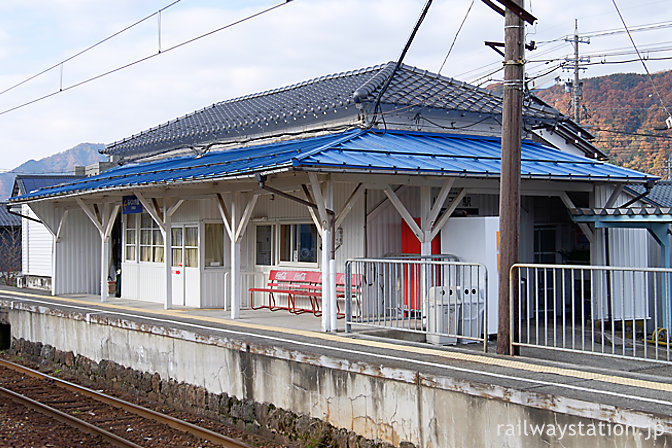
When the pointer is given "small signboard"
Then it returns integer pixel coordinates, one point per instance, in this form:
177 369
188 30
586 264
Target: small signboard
130 205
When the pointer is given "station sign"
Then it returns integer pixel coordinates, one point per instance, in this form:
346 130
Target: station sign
130 204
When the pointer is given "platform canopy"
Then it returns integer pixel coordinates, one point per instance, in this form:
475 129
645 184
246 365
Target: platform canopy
353 151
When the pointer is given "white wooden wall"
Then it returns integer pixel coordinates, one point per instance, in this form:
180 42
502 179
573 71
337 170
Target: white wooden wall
78 256
36 246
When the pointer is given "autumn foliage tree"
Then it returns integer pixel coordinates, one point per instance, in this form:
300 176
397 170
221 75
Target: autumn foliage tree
624 112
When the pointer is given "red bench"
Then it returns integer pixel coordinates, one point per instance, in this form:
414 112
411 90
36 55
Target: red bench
293 284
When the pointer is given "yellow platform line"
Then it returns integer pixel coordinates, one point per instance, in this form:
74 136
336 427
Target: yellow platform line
505 362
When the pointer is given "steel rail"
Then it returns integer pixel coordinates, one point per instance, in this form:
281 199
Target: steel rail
67 419
173 422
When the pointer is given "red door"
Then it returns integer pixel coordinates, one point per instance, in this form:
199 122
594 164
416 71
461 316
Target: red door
410 244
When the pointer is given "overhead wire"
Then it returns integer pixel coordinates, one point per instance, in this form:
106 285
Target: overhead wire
146 58
655 89
89 48
456 34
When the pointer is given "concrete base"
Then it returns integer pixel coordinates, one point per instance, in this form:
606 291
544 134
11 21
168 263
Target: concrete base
377 402
34 282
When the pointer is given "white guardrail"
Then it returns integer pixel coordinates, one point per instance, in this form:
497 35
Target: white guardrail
609 311
445 300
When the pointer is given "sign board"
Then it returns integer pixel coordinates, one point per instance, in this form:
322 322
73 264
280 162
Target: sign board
130 205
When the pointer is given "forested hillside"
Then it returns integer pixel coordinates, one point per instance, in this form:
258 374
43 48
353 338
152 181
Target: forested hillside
626 116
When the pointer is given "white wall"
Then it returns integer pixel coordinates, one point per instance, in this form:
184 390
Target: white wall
36 246
78 256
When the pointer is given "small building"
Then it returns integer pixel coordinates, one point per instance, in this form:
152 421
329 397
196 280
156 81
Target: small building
10 245
36 241
307 176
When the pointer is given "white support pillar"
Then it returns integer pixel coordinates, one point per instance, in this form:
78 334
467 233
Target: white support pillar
326 240
326 250
168 257
425 222
55 280
103 221
104 254
104 257
235 259
332 298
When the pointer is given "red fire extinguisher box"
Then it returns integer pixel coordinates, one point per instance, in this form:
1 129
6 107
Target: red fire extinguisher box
410 244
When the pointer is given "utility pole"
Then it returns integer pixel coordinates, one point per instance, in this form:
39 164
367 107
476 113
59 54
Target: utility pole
577 85
509 188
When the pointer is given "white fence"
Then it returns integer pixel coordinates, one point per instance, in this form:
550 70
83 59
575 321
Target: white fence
611 311
445 300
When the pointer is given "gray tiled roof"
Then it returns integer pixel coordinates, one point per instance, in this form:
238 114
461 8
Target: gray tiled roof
7 219
333 100
660 194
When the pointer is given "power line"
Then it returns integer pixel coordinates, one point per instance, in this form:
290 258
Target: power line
638 134
455 38
90 47
655 89
146 58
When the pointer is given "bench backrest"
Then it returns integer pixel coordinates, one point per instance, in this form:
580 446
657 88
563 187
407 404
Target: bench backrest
297 277
279 277
356 279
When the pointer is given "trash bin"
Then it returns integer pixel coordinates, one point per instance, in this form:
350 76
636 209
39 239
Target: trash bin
471 315
443 311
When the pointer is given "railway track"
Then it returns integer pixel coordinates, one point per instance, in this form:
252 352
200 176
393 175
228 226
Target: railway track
118 422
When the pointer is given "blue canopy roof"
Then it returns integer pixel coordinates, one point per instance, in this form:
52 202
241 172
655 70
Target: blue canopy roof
353 151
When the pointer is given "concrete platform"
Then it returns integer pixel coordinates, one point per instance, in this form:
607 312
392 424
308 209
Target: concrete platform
381 388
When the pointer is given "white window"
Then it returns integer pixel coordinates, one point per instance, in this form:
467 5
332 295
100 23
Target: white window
286 243
130 238
298 243
184 242
214 244
151 240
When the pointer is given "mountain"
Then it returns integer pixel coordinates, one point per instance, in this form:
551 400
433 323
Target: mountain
63 162
624 112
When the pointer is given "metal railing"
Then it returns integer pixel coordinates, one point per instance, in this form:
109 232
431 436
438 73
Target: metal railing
609 311
248 279
447 301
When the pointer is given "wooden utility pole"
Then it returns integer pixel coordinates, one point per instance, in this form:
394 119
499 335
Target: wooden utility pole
509 188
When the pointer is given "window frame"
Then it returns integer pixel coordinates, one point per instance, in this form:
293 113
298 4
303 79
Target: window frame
152 245
202 243
134 244
275 245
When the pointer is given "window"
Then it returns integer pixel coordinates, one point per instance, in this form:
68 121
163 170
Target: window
298 242
184 242
214 244
151 240
191 247
264 245
130 238
177 243
293 243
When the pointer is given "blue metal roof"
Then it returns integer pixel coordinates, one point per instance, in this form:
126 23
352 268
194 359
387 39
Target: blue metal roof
358 151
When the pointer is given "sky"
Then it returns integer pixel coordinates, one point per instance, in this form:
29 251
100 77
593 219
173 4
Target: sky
299 40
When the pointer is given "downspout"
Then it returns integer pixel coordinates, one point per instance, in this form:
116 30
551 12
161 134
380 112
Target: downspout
9 210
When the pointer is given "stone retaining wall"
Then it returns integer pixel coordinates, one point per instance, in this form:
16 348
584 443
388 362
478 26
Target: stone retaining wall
261 419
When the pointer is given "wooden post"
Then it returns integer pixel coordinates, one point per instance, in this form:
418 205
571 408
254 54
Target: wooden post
509 190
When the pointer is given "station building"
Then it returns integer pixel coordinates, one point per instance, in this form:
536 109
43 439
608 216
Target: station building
368 163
